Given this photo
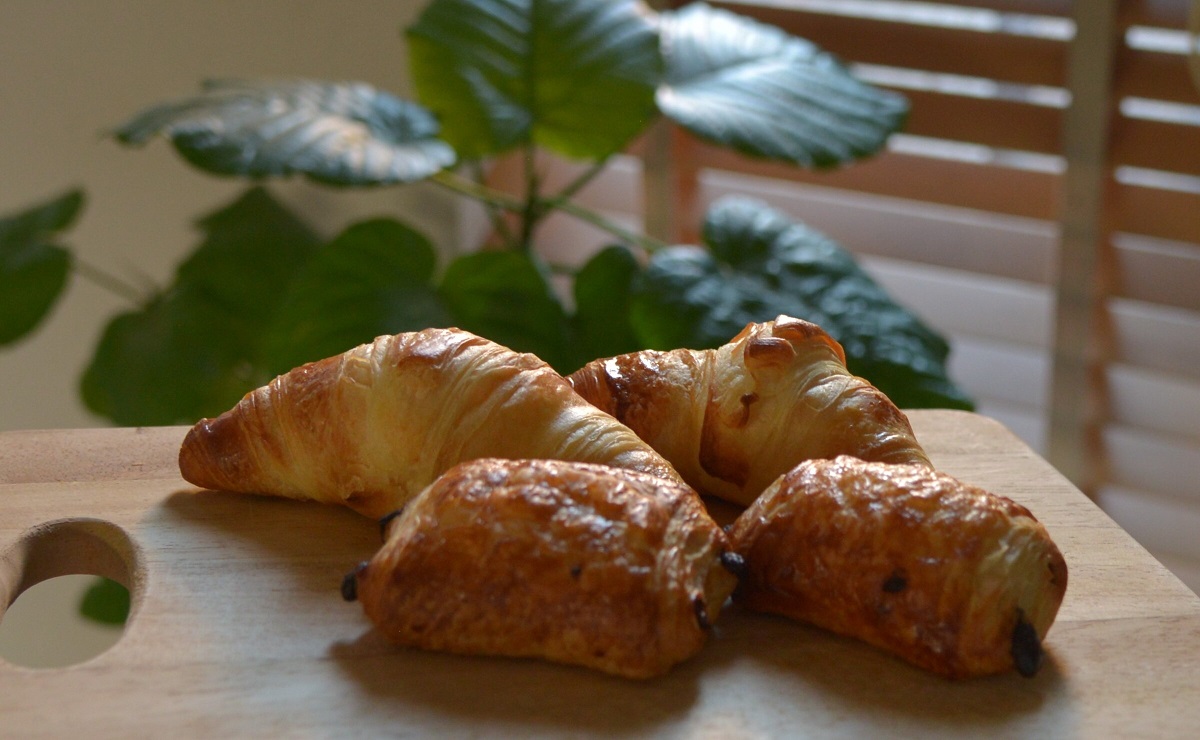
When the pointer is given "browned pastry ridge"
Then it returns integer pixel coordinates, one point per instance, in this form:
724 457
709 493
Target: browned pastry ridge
373 426
947 576
571 562
733 419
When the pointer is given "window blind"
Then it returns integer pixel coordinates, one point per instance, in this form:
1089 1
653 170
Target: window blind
1041 209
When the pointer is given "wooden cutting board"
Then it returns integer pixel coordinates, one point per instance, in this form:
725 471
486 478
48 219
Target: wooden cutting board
238 627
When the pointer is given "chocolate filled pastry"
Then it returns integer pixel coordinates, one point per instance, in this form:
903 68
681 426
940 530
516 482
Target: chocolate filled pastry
575 563
947 576
373 426
733 419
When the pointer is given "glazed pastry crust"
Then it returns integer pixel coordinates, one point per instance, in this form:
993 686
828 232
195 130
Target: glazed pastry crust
373 426
575 563
733 419
945 575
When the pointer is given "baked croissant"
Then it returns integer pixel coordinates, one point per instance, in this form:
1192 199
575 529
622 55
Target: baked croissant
733 419
373 426
947 576
571 562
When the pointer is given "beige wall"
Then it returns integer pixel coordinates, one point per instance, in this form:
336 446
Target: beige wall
70 69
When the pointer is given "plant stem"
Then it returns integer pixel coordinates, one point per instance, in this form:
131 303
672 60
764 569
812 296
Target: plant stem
648 243
531 213
497 199
495 213
578 183
108 281
483 193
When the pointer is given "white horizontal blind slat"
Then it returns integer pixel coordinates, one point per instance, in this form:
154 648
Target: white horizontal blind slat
1163 464
1159 402
1159 338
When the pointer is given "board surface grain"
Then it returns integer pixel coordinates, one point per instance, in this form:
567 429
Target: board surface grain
238 628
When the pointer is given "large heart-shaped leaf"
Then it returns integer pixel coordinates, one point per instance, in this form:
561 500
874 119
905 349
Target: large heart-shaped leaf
575 76
602 299
33 269
506 297
753 87
42 221
375 278
762 264
336 133
167 363
194 349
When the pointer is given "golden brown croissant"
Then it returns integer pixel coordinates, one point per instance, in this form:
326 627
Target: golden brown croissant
575 563
950 577
373 426
733 419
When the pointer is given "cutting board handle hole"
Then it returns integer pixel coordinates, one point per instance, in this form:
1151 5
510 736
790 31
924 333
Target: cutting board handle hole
50 558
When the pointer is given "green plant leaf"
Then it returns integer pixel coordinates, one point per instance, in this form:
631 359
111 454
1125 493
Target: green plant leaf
574 76
336 133
195 348
33 269
762 264
43 220
752 87
375 278
506 297
105 601
603 294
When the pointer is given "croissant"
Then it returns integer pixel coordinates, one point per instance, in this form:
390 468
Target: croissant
947 576
571 562
373 426
733 419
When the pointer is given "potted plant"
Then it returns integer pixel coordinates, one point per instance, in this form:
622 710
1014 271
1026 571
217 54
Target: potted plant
578 79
